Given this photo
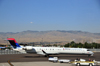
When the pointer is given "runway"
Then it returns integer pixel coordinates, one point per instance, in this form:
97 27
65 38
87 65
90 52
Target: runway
35 57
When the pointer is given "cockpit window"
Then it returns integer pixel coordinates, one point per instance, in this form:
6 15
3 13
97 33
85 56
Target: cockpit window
88 50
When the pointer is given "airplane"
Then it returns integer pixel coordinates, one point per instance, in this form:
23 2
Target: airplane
46 51
2 47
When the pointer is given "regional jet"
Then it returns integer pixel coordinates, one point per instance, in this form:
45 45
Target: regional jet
48 50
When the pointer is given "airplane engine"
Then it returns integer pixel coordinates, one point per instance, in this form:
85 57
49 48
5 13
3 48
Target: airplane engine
28 48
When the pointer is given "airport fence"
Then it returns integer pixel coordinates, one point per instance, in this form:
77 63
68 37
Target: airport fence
3 52
95 50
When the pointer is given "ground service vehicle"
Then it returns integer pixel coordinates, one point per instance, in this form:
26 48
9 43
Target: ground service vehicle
53 59
64 60
83 62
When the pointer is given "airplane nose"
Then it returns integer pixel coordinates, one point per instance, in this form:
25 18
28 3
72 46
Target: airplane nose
91 52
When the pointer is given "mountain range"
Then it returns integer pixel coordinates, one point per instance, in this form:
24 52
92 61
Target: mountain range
51 36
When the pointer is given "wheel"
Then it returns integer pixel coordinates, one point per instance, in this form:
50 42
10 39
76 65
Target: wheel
90 64
61 61
89 55
46 56
78 64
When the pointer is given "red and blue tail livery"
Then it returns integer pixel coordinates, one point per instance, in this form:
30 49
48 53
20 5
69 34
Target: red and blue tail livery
13 43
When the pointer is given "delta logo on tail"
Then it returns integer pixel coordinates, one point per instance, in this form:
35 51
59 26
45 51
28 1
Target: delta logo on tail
13 43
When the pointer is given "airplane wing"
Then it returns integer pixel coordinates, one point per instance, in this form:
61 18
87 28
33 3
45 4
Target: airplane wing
47 54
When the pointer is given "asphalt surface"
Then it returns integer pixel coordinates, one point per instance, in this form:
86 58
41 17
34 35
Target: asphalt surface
35 57
46 63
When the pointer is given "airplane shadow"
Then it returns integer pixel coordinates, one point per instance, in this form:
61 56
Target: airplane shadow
34 57
59 56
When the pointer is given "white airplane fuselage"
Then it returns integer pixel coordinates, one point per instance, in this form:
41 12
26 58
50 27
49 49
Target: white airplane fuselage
55 50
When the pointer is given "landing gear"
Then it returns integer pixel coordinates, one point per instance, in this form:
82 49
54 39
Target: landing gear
46 55
89 55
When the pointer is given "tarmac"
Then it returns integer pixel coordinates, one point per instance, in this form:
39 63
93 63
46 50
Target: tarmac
39 60
46 63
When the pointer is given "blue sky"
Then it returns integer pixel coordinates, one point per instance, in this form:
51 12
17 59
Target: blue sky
42 15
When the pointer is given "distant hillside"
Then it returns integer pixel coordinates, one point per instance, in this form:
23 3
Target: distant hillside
51 36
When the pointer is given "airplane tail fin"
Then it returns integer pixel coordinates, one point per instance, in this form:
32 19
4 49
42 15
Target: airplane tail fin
13 43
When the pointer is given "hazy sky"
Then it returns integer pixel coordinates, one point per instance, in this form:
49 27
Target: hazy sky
42 15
